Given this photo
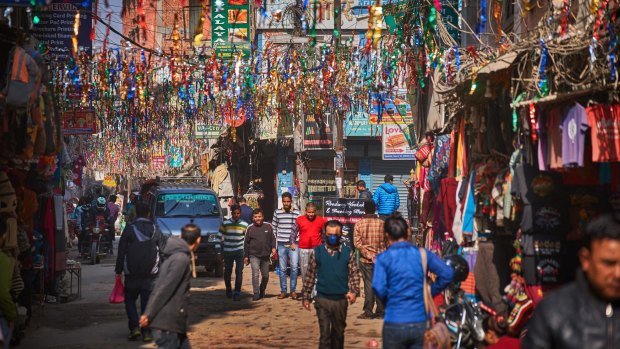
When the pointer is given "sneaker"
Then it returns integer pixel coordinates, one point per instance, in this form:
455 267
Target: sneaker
365 316
229 294
236 296
294 295
134 335
147 337
261 295
282 295
256 297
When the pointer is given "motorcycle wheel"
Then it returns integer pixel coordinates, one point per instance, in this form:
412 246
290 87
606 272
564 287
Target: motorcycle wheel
93 253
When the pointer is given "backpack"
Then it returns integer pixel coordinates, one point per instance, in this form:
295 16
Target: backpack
23 80
142 258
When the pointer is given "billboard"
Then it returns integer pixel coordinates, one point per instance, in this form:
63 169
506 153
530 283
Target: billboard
55 28
394 144
230 28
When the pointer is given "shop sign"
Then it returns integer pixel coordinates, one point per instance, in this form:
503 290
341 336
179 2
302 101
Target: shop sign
205 131
318 134
394 144
387 110
449 14
268 127
55 27
346 211
79 121
356 125
158 160
230 28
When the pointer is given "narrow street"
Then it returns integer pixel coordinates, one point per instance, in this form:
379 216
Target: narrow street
216 321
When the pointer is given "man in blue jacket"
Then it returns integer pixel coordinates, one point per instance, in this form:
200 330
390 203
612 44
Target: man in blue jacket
398 282
386 198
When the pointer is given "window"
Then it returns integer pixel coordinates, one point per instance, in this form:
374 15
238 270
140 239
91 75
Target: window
186 205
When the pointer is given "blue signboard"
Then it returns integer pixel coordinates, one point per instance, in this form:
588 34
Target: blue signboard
55 27
356 125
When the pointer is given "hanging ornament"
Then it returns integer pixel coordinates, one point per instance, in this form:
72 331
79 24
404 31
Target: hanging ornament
533 122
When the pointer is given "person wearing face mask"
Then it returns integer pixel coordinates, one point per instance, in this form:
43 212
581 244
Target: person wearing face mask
398 281
334 268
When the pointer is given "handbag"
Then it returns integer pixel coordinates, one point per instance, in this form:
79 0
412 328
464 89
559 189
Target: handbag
118 292
437 335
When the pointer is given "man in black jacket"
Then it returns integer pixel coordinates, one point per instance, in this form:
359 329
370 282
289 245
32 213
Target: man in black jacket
167 307
260 243
584 313
139 259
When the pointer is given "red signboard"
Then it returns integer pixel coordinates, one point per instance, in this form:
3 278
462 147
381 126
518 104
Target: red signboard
79 121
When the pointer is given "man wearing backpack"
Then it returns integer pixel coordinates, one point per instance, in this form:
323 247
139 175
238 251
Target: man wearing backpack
139 259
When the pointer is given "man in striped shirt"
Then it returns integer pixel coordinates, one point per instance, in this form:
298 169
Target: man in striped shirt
232 233
284 221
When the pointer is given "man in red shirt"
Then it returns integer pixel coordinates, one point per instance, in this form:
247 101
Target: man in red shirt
307 235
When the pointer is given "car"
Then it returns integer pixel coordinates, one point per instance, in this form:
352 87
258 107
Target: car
177 201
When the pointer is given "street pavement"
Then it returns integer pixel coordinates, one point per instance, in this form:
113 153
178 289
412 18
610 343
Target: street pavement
216 321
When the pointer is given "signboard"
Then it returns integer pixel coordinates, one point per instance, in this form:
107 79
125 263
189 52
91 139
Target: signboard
356 124
267 127
278 14
449 14
204 131
385 110
346 211
230 28
394 144
55 27
318 133
79 121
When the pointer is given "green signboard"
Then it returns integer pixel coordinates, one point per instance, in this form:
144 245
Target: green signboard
230 28
450 16
204 131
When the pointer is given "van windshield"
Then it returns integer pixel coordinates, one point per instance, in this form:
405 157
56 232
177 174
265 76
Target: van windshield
186 205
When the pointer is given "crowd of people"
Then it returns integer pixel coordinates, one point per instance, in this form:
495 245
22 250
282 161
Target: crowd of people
393 271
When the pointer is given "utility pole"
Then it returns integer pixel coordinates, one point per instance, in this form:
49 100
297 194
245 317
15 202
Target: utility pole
338 117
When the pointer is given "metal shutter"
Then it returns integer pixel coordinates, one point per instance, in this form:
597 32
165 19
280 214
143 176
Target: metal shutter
400 170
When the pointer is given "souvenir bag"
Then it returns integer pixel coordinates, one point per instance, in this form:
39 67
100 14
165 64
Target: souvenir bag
118 292
437 335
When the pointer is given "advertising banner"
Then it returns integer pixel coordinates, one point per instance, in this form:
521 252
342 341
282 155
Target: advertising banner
318 134
55 27
394 144
204 131
385 110
230 28
79 121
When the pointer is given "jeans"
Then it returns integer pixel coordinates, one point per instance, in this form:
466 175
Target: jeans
237 259
284 253
5 330
367 270
172 340
134 288
259 264
332 316
403 336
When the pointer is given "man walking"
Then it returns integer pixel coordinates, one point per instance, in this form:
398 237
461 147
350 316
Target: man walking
307 236
369 240
139 259
386 198
168 305
114 210
333 267
247 212
363 192
232 233
284 221
260 244
584 313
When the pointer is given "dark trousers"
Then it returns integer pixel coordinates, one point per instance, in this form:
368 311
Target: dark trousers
332 316
259 264
367 270
134 288
404 336
172 340
237 259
